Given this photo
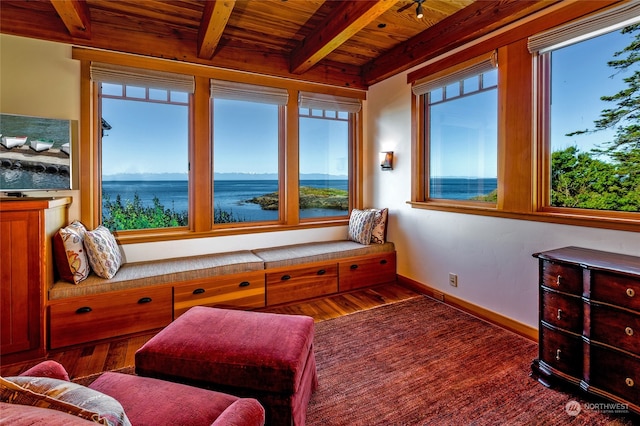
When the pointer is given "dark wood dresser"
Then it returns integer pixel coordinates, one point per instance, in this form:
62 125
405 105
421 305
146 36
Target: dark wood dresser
589 326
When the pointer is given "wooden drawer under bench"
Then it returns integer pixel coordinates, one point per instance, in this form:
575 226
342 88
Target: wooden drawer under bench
245 290
101 316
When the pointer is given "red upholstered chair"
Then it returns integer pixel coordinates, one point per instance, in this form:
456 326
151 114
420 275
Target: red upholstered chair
146 401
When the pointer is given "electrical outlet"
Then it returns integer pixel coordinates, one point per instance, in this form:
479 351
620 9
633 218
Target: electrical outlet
453 280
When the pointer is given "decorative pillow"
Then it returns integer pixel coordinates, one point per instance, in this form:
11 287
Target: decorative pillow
63 396
103 252
69 253
379 231
361 225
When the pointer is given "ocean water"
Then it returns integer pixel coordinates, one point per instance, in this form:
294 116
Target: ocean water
229 195
461 188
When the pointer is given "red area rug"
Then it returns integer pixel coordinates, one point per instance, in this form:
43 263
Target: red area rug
421 362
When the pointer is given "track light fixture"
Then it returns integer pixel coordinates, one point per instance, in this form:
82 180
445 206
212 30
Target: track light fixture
419 12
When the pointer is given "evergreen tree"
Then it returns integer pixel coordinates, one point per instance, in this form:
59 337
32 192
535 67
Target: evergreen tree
616 182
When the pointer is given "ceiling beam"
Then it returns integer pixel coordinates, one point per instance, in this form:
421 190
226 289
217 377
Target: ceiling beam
474 21
344 21
75 16
214 19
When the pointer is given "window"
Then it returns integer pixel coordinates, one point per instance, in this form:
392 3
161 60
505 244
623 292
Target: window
246 142
325 129
183 153
593 147
144 142
460 136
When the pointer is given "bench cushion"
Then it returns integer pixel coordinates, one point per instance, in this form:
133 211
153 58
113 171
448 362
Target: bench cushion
165 271
297 254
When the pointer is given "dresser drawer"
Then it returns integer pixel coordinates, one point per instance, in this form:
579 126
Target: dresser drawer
84 319
616 289
561 351
565 278
562 310
287 285
615 327
616 373
244 290
367 271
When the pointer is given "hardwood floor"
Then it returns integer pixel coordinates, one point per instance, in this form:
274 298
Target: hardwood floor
118 353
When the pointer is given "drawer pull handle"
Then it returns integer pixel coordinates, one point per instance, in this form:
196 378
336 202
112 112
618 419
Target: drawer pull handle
285 277
198 291
383 262
629 331
322 272
559 314
244 284
558 352
83 310
629 382
354 266
144 300
558 279
631 292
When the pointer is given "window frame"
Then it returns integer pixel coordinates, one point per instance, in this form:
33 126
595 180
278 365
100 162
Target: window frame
351 135
200 150
422 146
542 65
125 97
521 190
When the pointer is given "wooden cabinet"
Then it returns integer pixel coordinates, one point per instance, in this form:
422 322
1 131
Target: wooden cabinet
26 270
245 290
590 322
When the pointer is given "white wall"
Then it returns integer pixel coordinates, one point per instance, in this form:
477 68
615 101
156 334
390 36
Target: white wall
492 256
39 78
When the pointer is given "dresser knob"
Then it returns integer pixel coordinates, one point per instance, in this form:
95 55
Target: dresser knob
558 278
629 331
558 352
559 314
631 292
629 382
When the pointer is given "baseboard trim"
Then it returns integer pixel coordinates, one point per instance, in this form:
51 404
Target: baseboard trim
475 310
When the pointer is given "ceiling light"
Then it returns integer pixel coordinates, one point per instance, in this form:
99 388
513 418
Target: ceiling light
419 12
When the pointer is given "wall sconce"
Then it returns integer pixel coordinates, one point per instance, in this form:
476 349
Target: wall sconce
386 160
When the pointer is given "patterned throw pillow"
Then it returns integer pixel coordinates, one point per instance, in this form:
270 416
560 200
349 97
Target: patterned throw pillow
379 232
69 253
63 396
103 252
361 225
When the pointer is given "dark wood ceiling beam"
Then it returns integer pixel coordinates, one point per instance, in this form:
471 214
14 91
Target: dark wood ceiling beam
75 16
342 23
214 20
474 21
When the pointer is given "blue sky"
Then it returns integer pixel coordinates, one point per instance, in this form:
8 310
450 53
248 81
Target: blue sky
155 141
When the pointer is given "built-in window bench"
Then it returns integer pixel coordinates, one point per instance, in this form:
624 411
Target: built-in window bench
148 295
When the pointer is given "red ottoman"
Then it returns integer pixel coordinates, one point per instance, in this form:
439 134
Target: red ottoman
265 356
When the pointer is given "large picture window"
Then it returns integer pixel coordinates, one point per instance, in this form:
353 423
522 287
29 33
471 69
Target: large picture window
246 145
592 131
461 137
144 142
186 152
325 128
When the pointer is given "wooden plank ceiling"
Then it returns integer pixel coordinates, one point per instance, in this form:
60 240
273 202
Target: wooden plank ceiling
341 43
